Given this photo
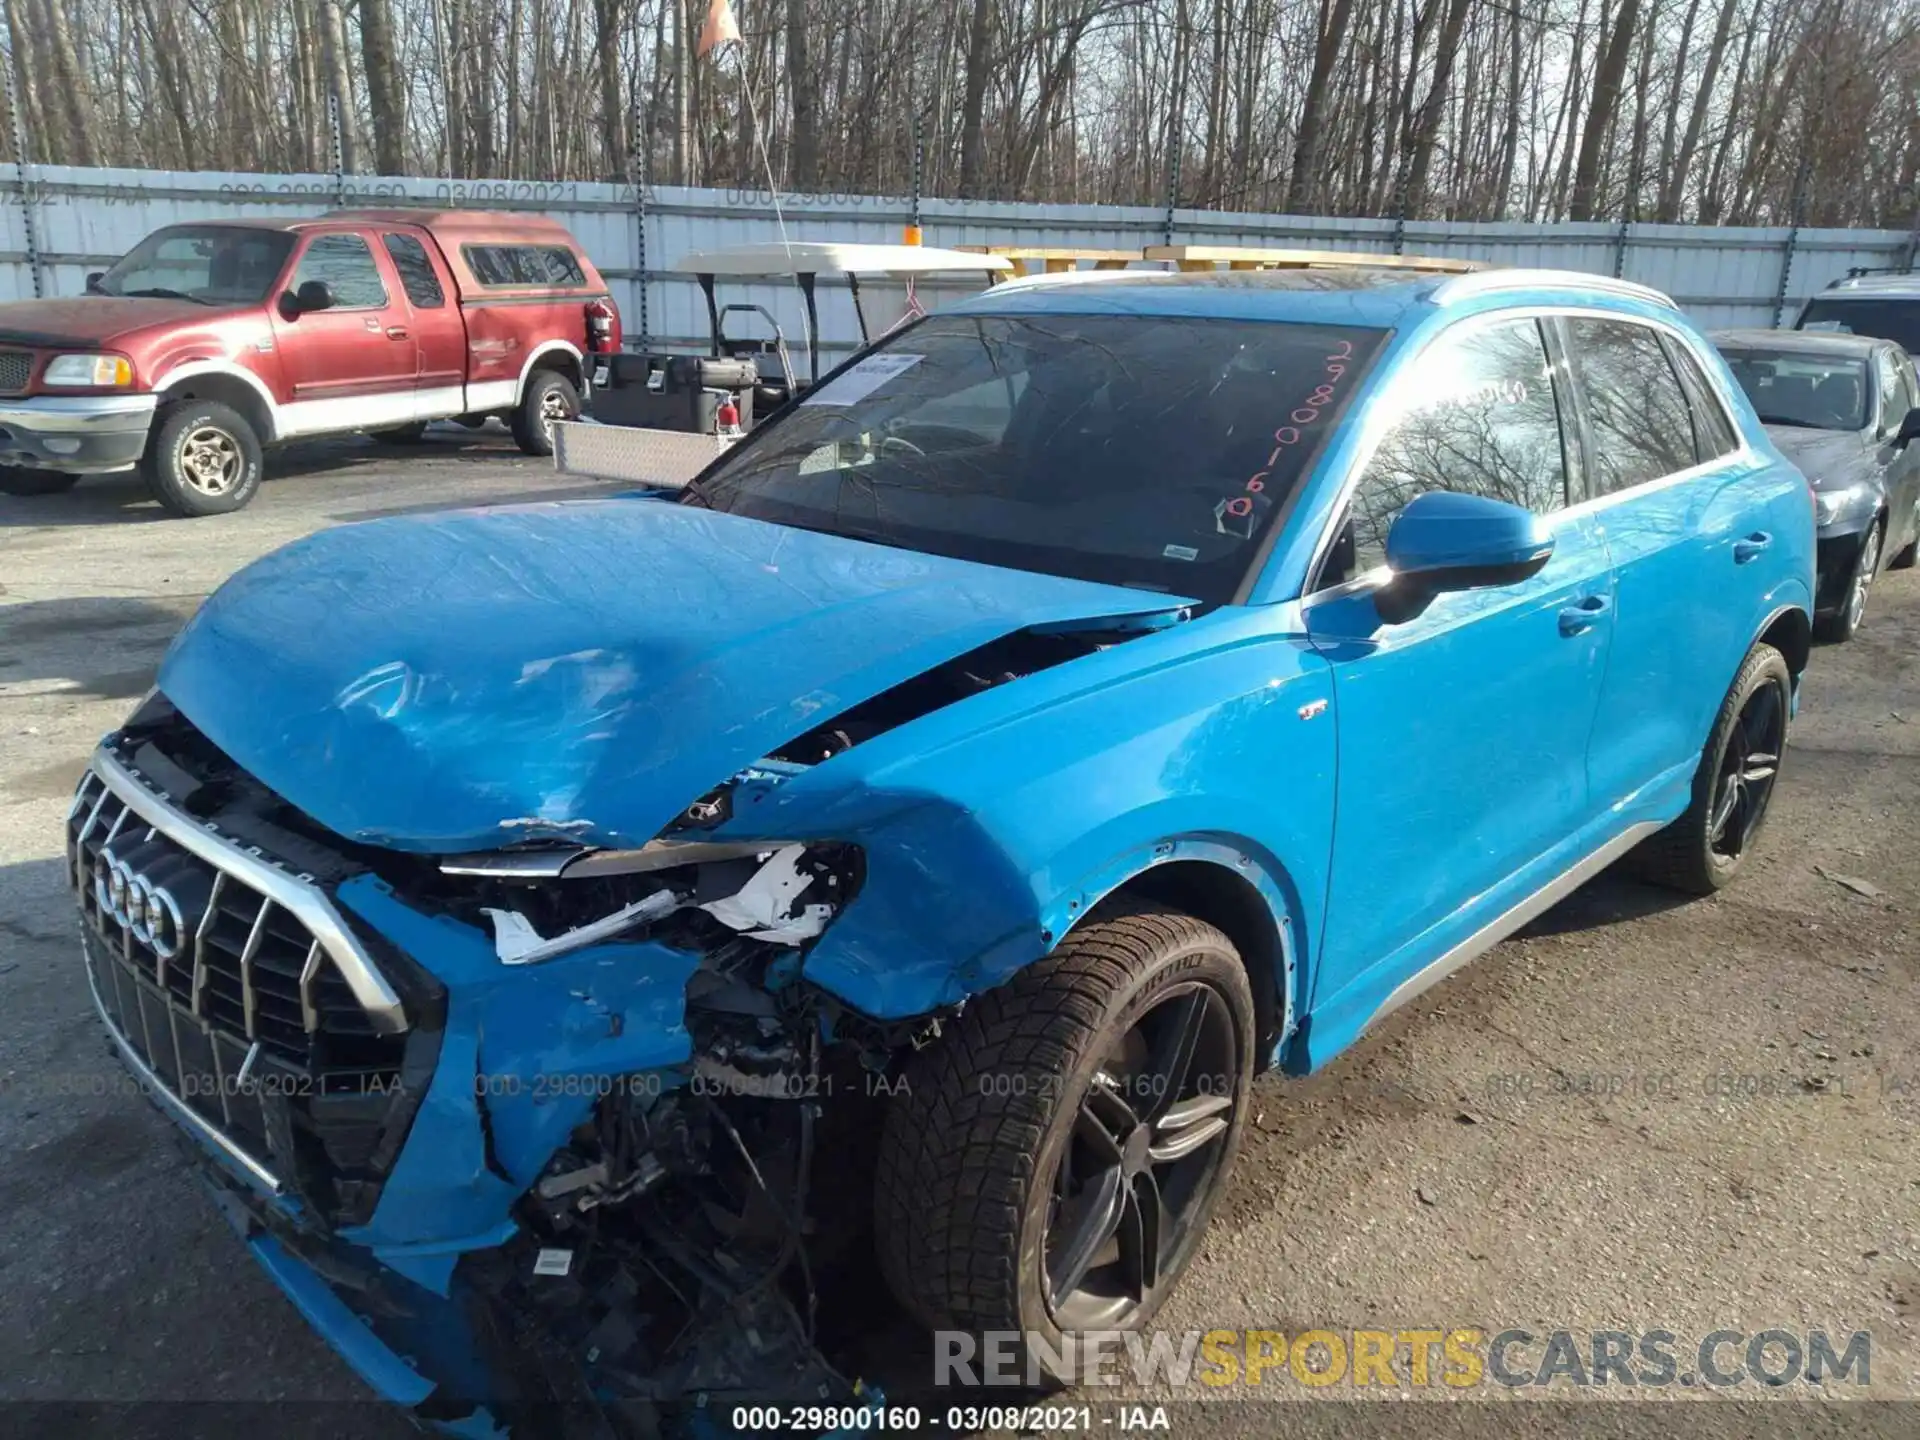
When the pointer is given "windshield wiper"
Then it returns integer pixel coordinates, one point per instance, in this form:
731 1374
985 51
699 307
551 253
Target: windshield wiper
160 293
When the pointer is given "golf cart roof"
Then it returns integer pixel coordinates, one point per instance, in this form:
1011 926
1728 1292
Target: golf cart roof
815 257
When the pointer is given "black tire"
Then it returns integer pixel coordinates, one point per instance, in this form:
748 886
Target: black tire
975 1150
550 396
203 459
1692 853
15 480
1845 623
411 434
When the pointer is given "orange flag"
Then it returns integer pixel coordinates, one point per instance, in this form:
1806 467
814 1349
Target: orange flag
719 29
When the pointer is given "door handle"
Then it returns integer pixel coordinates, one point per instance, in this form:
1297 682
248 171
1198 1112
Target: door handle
1749 548
396 332
1578 619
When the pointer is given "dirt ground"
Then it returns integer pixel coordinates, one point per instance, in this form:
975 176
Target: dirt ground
1641 1115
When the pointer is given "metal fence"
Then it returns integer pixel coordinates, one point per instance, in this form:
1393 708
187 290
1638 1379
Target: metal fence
58 222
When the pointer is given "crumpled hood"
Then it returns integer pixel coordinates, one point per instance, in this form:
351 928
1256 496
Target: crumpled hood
91 320
463 681
1828 458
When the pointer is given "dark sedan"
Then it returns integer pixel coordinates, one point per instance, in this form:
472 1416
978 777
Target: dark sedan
1842 408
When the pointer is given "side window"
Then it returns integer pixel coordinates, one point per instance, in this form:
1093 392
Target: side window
409 257
1888 380
1909 385
553 265
1637 413
1713 432
1481 418
345 263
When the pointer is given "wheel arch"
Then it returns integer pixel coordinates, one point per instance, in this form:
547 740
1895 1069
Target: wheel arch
1252 902
1790 631
225 385
557 355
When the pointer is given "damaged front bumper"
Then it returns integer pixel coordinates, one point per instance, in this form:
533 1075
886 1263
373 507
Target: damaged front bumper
565 1196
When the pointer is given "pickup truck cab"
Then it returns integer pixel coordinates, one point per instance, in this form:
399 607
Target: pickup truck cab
207 342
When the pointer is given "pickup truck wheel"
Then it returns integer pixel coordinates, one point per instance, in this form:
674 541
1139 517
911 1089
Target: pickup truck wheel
550 396
1707 846
17 481
204 459
1053 1160
401 434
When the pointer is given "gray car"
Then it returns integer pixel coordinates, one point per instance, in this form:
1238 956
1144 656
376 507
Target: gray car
1842 408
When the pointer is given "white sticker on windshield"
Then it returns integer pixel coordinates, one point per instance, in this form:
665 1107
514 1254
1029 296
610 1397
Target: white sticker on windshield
863 378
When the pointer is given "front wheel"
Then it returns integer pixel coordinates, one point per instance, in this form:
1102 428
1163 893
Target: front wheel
1053 1160
550 398
204 459
1707 846
1845 623
17 481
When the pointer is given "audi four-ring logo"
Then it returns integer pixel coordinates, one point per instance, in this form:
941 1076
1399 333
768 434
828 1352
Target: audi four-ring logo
150 911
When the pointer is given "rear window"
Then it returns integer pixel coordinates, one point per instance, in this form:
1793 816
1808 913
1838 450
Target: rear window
1152 452
544 265
1817 392
1896 320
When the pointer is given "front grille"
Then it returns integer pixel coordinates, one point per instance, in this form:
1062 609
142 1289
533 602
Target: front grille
239 1011
16 367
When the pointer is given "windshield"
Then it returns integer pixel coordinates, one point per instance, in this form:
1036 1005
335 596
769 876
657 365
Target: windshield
1895 320
1149 451
1823 392
214 264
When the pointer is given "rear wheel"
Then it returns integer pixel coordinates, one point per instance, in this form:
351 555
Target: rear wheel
1845 623
550 398
411 434
204 459
1707 846
1053 1160
17 481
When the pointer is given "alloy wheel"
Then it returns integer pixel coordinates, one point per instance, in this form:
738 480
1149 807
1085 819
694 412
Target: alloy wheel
1863 576
1136 1180
210 460
1748 768
553 407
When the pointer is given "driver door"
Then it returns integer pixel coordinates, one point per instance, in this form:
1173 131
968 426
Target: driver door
1463 729
355 365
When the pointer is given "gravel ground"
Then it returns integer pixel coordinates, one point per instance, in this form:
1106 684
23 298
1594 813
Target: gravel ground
1642 1114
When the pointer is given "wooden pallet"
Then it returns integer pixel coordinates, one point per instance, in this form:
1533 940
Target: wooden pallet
1053 259
1238 257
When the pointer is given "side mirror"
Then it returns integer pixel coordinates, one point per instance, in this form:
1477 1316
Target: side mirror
312 295
1909 430
1447 541
94 277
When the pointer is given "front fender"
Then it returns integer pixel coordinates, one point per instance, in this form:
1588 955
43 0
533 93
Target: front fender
988 834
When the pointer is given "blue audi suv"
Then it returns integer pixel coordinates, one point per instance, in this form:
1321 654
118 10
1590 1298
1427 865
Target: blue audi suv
586 938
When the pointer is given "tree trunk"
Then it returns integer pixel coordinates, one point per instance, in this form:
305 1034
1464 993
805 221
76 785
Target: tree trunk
608 18
333 37
1606 101
1673 186
1426 129
803 95
1304 179
972 120
76 105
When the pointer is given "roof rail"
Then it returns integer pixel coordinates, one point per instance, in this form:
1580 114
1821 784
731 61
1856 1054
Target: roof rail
1485 281
1242 257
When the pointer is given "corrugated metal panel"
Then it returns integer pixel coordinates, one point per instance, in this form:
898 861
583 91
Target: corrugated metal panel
86 218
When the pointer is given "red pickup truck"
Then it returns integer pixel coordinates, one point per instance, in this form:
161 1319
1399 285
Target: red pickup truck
209 341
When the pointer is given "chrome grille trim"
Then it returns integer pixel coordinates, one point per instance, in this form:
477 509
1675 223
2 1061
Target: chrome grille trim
303 900
249 1003
309 974
184 1113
